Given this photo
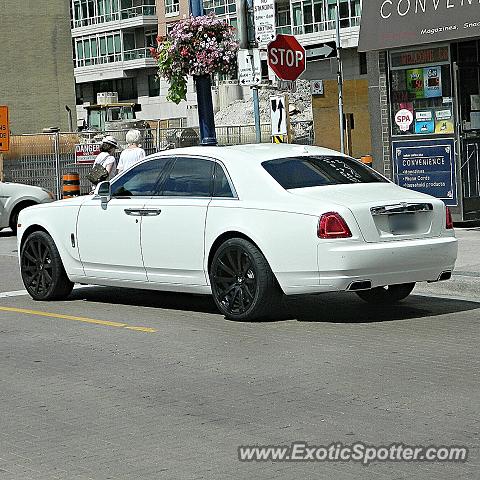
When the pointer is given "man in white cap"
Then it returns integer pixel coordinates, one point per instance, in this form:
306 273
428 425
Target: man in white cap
105 157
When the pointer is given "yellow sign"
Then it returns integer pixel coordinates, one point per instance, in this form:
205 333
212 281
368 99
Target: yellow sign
4 129
278 139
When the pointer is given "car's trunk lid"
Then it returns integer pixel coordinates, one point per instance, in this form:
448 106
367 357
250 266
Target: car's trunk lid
384 212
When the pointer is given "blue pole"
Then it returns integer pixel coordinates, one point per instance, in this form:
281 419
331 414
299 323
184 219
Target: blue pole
203 85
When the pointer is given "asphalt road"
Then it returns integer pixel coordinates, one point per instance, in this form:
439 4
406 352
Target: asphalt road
124 384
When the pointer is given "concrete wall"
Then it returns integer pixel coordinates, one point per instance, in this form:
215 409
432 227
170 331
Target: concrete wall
36 67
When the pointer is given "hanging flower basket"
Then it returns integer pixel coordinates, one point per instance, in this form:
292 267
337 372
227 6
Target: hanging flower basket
197 46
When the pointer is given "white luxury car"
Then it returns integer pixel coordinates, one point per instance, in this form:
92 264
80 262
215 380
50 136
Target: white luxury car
245 223
17 196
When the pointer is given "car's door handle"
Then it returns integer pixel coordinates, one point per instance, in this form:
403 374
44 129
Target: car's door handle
151 212
133 212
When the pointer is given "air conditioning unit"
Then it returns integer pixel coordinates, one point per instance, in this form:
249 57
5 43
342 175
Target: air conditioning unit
107 98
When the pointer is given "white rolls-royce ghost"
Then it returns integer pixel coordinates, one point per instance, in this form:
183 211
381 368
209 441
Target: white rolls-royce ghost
247 224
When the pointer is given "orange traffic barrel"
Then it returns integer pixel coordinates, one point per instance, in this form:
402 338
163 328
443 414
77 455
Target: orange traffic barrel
71 185
367 160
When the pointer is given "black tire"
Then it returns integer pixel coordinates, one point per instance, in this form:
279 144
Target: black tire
386 295
42 269
14 216
243 285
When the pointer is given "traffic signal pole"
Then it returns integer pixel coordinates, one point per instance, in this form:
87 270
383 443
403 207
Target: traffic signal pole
203 84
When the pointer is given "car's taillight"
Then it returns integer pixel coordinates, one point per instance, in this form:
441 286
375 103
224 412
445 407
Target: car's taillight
332 225
448 219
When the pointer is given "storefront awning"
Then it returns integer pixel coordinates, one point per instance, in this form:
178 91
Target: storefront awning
403 23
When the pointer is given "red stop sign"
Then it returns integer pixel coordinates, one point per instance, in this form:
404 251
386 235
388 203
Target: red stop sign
286 57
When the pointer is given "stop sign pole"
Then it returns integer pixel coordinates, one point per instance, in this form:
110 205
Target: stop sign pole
286 57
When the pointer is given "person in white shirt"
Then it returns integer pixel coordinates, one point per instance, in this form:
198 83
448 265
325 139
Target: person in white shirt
105 157
133 153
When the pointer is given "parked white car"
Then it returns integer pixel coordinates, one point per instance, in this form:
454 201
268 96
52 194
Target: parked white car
14 197
247 224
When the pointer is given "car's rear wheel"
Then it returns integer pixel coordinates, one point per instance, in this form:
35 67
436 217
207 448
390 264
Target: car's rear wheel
243 284
387 294
42 270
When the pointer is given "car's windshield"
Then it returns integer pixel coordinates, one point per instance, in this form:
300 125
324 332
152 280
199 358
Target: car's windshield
319 170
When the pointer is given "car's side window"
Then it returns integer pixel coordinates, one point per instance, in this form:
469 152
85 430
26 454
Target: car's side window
141 180
221 185
189 177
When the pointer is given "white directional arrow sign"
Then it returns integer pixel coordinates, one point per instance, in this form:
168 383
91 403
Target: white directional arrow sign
321 52
249 67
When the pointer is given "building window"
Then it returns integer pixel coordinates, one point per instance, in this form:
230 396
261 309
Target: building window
362 57
151 39
153 86
125 87
282 20
169 28
172 8
309 16
92 12
221 8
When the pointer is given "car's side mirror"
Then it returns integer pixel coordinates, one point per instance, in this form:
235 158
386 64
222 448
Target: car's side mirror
104 191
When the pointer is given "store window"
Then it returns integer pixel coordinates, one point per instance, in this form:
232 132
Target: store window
421 92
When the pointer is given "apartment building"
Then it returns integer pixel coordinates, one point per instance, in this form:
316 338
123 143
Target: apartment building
36 70
111 41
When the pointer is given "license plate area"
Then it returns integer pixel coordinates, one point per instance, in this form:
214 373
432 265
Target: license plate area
403 224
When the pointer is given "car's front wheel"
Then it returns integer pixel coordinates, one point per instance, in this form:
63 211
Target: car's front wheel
243 284
42 270
15 213
387 294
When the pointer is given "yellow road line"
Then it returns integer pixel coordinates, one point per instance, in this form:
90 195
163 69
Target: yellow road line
105 323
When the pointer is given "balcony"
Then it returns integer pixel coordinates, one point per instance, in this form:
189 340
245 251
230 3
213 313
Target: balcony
124 14
127 18
113 65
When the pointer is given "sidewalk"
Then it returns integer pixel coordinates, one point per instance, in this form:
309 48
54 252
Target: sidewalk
465 282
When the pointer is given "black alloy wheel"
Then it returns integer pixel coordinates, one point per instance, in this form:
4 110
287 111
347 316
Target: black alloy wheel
42 270
387 294
243 285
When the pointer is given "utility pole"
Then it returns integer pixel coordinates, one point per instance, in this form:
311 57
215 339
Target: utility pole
340 79
242 28
203 84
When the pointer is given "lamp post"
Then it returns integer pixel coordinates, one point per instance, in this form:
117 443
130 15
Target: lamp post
203 84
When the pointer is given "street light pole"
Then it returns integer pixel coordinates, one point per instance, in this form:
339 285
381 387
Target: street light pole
203 84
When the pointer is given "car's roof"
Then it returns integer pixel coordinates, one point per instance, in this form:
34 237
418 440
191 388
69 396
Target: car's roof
256 153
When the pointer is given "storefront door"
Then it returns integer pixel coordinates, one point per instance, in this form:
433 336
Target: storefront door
467 67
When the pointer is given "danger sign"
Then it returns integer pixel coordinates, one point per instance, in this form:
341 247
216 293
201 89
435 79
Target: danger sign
86 152
4 129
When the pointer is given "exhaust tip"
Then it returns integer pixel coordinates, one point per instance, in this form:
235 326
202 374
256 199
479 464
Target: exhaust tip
360 285
445 276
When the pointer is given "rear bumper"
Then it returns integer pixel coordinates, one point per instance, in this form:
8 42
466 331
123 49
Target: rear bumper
385 263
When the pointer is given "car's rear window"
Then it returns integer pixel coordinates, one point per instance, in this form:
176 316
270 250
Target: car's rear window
315 171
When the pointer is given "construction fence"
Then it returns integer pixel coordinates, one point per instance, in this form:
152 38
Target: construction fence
42 159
